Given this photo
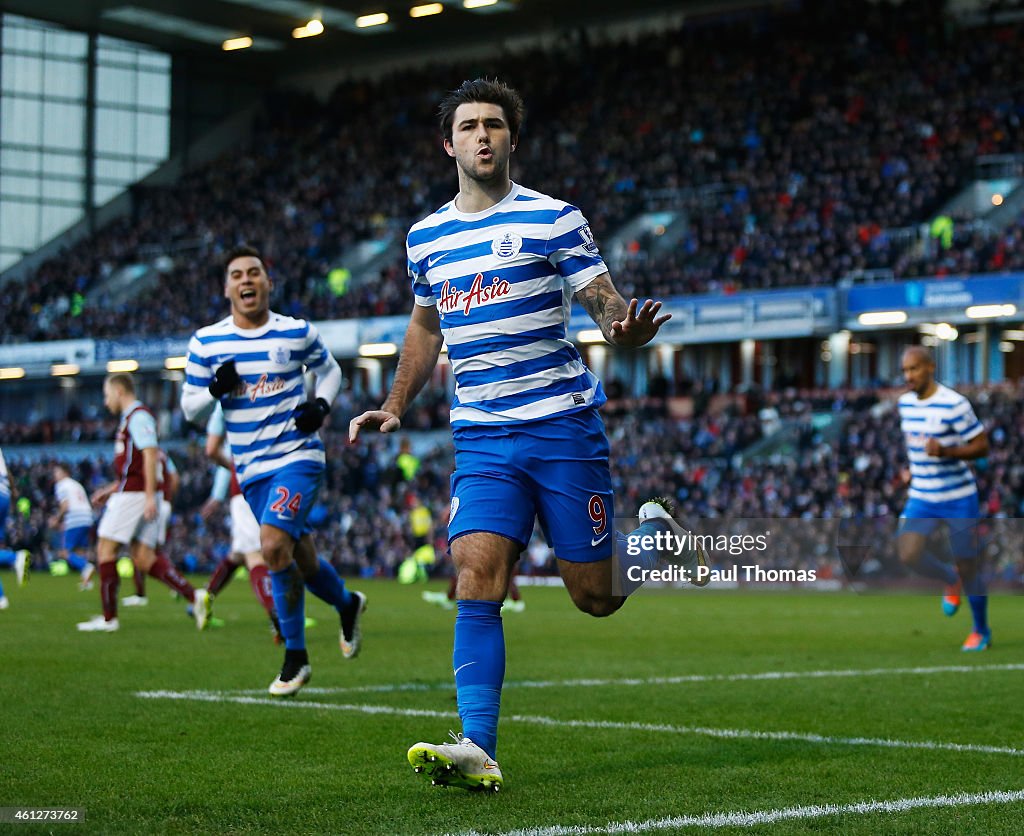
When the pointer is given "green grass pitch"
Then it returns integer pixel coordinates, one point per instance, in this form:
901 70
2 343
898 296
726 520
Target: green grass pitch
75 733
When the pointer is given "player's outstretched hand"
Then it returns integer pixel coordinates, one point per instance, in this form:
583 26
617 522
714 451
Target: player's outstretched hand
225 379
386 422
309 416
639 326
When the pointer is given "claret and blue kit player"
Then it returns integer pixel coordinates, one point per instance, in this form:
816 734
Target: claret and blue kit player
132 515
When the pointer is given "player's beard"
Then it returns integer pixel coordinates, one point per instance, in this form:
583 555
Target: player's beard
497 174
921 388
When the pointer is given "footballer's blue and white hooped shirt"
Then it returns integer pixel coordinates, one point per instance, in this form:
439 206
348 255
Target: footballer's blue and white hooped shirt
259 414
78 513
947 416
502 281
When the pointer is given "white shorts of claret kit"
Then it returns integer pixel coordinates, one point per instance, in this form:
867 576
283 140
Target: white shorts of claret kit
123 520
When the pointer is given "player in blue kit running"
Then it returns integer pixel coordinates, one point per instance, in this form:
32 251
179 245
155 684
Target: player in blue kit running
74 514
494 272
942 434
253 363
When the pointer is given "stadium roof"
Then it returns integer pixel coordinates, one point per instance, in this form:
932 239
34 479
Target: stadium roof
198 27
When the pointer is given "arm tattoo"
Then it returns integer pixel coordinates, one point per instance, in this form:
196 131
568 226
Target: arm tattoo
602 301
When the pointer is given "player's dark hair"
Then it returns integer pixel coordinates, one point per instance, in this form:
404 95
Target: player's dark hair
488 91
123 380
241 251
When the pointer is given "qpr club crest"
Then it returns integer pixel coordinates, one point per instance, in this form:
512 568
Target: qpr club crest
280 356
507 245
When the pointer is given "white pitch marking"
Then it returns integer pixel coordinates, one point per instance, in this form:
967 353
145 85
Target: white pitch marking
735 734
663 680
217 696
758 817
753 734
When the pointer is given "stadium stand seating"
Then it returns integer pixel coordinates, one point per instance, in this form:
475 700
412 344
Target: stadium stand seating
801 146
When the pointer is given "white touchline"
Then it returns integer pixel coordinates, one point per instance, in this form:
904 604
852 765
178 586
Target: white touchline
661 728
757 817
764 676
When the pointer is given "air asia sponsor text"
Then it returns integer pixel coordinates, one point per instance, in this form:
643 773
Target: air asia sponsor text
478 294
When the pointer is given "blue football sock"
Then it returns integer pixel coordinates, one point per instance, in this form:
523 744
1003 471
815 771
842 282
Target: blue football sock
328 586
979 609
7 557
630 555
977 596
1 590
931 567
77 563
479 663
292 619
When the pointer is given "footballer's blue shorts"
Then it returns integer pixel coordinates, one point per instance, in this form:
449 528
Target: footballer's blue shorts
76 538
284 498
5 506
554 470
961 515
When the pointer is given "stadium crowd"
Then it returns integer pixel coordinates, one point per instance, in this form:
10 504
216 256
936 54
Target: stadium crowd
799 143
708 462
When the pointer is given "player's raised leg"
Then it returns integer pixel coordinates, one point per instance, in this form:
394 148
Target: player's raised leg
152 561
681 548
323 580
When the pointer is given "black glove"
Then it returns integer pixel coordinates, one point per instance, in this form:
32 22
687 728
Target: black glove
310 415
225 380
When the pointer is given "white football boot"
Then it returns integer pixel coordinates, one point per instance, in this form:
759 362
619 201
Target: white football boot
98 624
459 764
201 608
295 673
690 559
351 645
21 566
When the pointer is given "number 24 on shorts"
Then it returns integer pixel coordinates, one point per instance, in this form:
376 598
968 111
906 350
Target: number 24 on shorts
287 504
